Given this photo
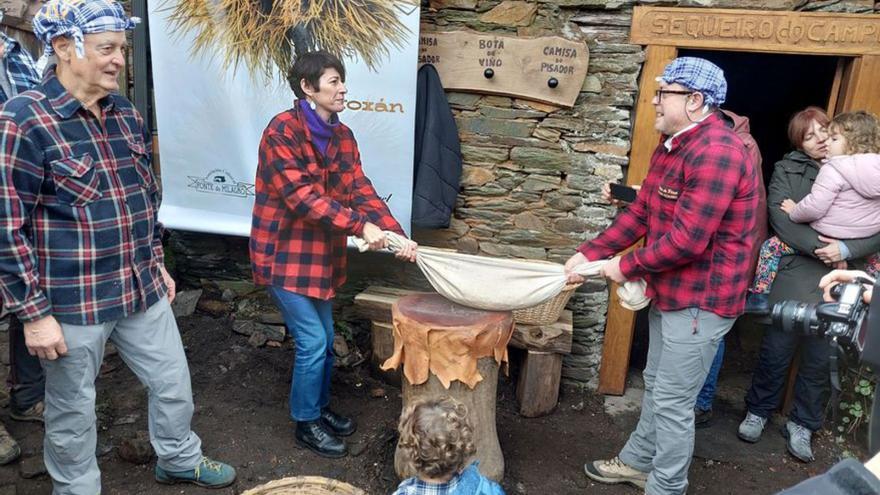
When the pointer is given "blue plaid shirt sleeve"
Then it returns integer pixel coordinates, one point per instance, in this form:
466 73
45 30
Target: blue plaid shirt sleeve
21 70
21 177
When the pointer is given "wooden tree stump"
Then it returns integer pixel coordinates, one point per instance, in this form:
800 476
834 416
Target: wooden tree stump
481 409
432 326
537 389
383 348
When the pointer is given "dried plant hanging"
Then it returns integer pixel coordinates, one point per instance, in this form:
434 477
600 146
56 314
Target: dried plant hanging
266 35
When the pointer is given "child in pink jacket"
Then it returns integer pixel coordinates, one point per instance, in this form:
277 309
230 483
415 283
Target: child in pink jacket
844 201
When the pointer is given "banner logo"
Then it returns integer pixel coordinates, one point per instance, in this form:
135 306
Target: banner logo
220 182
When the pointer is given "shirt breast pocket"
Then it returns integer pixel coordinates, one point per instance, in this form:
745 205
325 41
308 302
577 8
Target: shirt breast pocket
77 183
142 166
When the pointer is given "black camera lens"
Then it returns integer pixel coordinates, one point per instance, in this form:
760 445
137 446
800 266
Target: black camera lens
796 316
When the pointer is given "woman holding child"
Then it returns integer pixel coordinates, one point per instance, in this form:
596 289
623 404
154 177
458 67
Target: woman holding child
808 255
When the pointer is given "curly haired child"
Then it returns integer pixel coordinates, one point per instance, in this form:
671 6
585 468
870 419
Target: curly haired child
844 202
437 439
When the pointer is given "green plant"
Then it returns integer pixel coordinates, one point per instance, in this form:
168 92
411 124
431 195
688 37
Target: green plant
856 396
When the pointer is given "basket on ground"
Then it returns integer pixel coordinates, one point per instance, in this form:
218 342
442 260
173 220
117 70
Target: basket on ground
548 311
305 485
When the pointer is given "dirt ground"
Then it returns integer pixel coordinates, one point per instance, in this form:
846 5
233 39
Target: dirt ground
241 416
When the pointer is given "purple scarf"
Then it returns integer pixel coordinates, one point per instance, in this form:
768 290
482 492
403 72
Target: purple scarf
321 131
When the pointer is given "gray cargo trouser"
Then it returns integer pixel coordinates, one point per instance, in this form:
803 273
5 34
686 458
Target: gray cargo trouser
682 345
150 345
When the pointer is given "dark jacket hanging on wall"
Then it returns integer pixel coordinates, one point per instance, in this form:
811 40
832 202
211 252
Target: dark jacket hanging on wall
437 168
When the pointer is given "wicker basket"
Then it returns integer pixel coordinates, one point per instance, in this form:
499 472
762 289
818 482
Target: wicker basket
548 311
305 485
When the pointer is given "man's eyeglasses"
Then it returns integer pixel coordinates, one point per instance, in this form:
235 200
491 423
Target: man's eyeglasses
660 92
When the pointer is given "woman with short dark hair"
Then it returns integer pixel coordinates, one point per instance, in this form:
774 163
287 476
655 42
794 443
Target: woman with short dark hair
311 194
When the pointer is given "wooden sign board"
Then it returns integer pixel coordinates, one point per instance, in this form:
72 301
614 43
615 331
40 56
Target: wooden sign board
548 69
763 31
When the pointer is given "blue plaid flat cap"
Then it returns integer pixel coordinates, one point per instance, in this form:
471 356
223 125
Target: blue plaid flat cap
77 18
699 75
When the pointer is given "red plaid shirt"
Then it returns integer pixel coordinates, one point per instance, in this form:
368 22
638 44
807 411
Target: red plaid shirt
306 206
696 210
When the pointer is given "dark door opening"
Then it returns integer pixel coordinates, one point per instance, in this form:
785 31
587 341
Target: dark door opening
770 88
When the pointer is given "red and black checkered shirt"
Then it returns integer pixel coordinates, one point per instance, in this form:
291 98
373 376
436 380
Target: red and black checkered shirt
697 211
306 206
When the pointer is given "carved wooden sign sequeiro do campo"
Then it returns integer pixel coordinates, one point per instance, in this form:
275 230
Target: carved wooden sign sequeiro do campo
548 69
828 33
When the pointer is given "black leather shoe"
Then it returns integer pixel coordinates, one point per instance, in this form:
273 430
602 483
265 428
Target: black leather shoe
313 436
339 425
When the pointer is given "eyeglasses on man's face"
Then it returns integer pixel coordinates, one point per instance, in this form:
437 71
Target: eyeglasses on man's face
660 92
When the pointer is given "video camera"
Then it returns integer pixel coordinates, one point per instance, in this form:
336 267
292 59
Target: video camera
847 323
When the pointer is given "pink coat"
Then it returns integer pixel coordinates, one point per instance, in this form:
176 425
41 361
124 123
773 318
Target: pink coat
844 202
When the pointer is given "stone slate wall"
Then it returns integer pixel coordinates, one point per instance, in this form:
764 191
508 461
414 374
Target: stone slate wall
533 172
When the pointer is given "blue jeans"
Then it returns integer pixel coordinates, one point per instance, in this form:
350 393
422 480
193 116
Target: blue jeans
310 323
707 393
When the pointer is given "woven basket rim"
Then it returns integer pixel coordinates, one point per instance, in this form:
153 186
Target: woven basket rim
548 311
306 482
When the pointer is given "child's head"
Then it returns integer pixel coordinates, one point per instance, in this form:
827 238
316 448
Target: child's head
854 132
436 437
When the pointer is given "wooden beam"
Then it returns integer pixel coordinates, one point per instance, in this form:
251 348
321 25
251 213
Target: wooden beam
834 94
555 337
374 303
814 33
863 91
620 321
645 137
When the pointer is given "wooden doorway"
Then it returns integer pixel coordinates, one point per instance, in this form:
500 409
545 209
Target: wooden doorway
848 44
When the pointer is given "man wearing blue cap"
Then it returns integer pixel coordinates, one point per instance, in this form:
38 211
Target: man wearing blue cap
695 210
81 258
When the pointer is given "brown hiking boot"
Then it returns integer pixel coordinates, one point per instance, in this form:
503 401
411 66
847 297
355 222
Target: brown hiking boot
9 449
33 413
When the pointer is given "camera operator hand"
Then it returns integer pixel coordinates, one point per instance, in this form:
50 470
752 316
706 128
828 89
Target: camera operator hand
843 276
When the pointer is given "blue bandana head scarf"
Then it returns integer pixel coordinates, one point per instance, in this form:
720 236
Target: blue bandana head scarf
77 18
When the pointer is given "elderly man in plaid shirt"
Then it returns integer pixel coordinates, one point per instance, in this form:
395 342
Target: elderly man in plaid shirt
81 259
695 210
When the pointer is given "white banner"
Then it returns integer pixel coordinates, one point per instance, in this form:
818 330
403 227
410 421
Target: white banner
210 121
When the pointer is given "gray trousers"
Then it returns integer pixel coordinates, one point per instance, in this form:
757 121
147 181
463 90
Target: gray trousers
150 345
682 345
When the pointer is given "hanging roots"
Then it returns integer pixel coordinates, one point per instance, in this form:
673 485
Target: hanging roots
260 33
